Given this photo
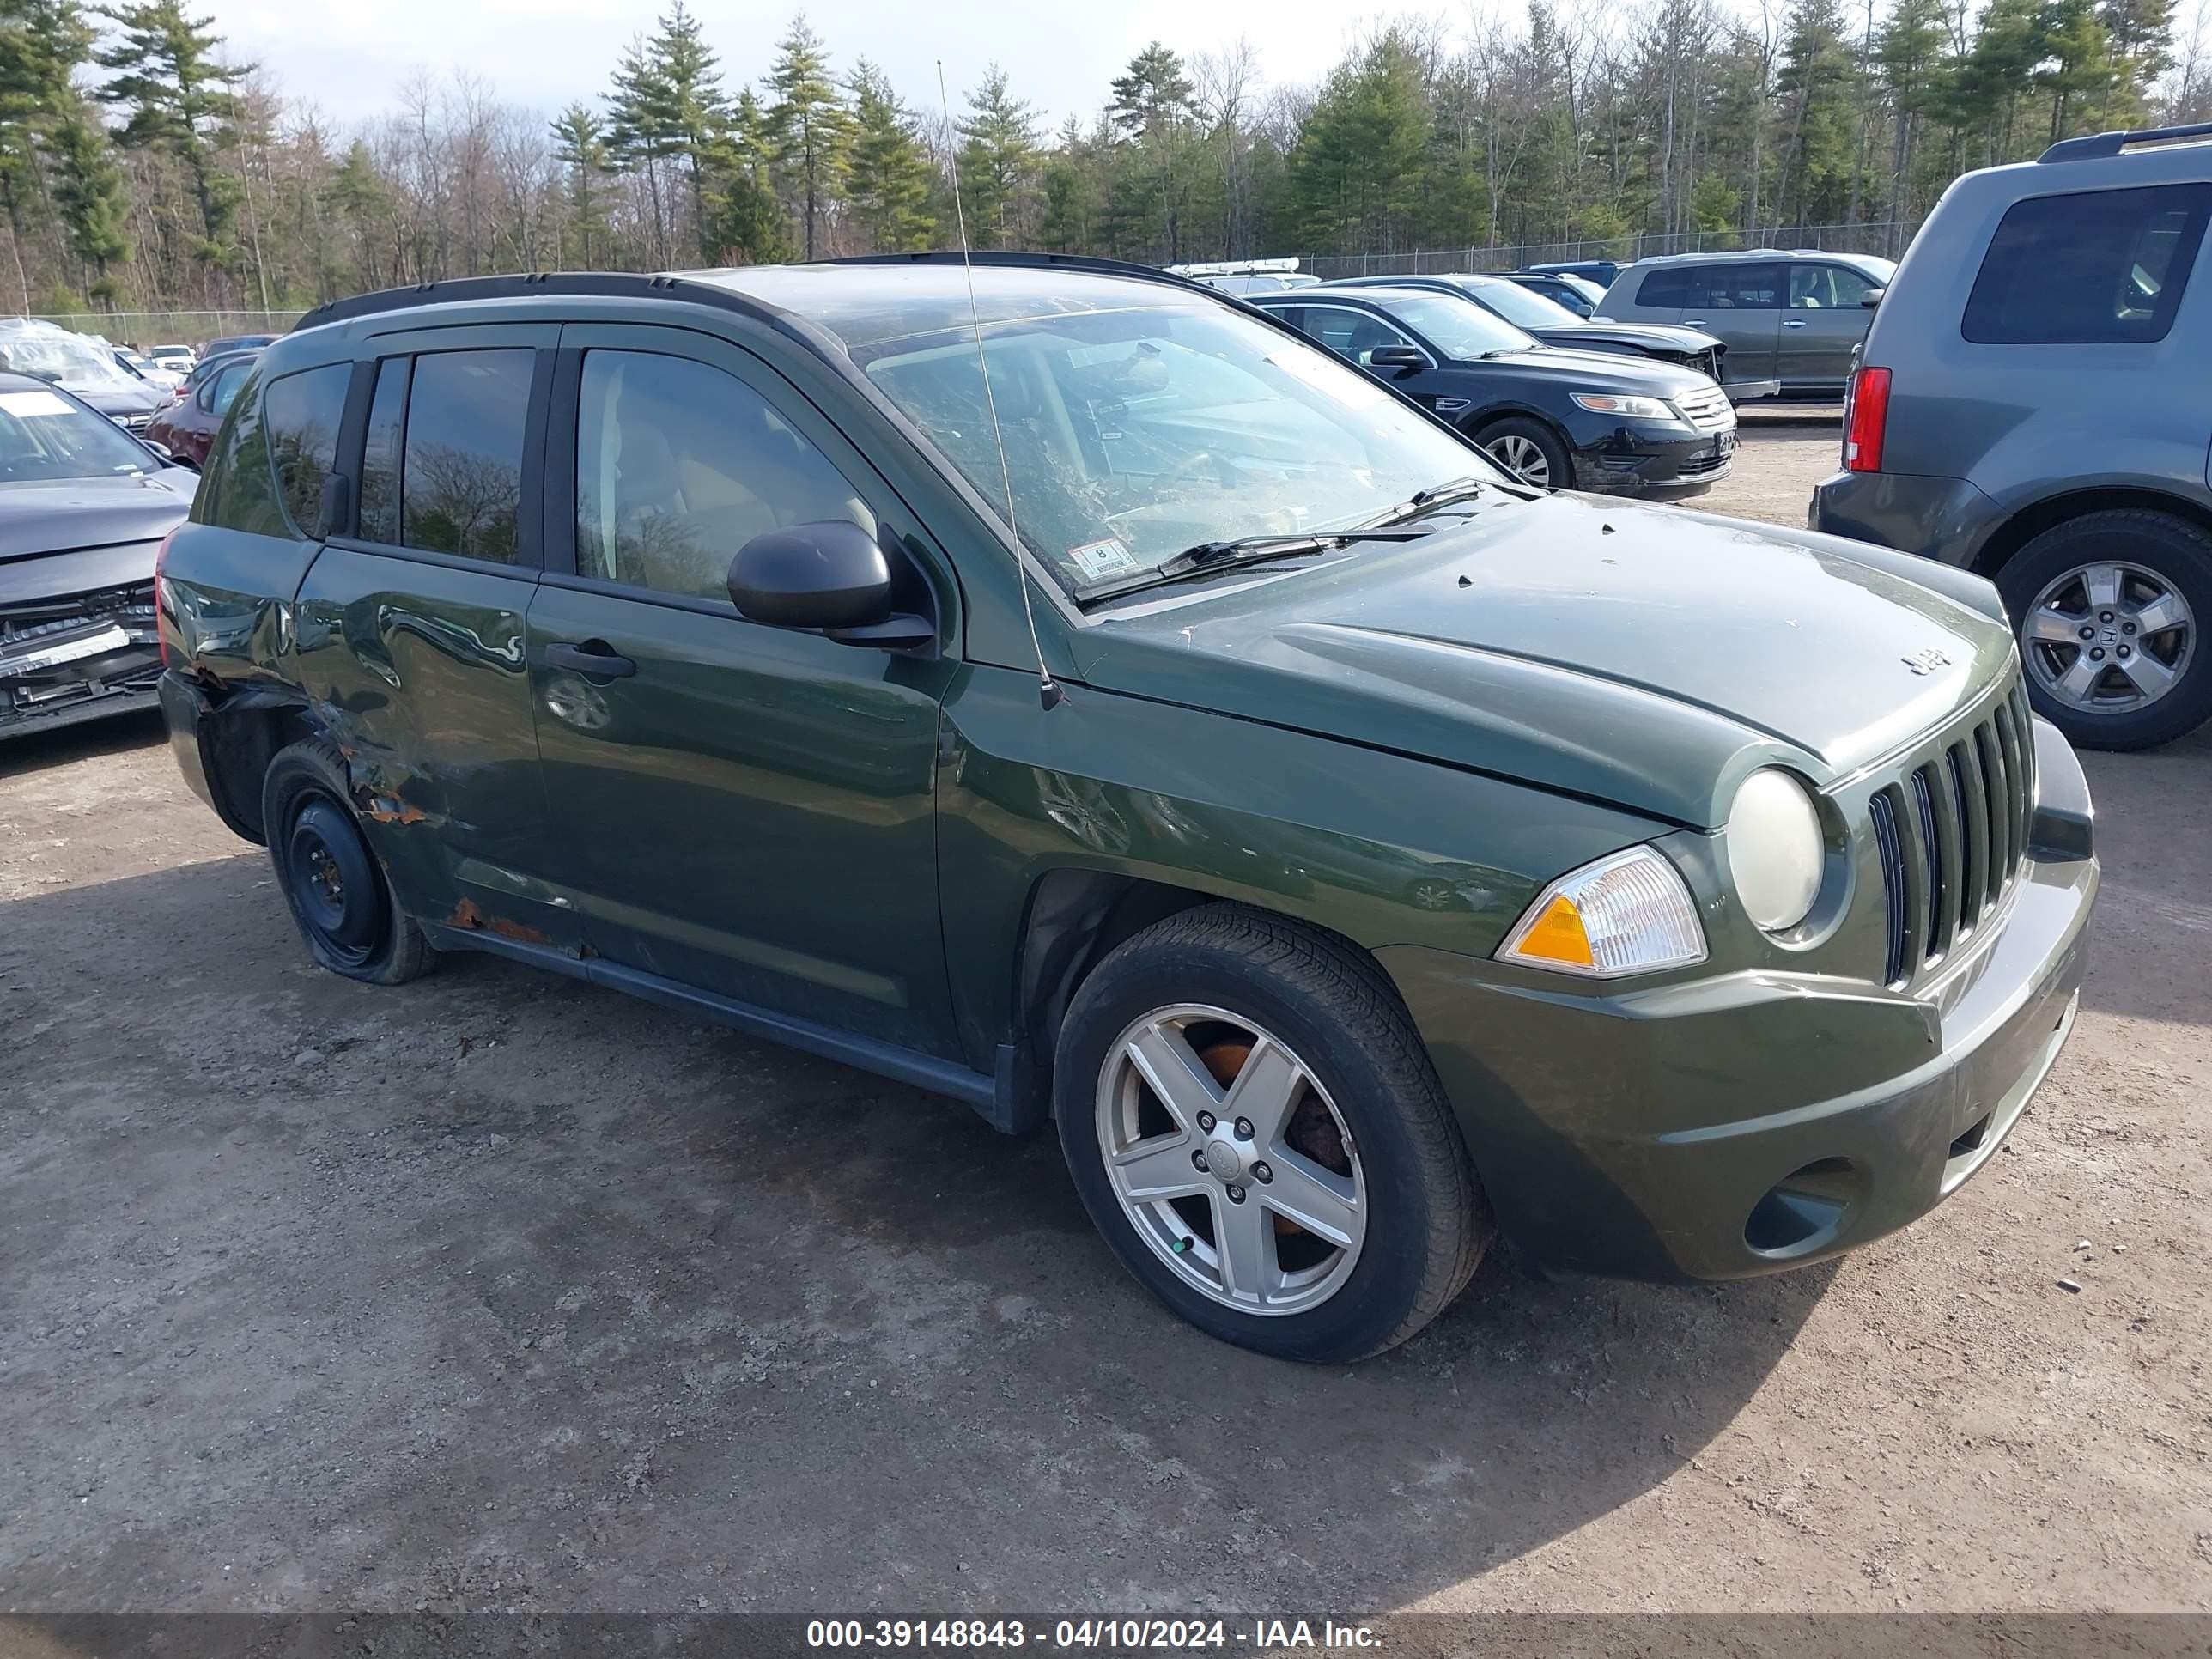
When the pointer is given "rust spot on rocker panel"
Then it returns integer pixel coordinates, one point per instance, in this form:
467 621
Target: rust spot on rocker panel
465 915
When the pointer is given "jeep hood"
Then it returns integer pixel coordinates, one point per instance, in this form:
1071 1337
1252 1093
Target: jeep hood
1644 657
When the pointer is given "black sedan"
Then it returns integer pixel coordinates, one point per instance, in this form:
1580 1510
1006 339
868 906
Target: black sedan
83 507
1555 325
1559 419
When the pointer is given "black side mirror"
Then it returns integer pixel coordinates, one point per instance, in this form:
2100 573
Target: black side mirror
161 451
830 576
1397 358
1872 297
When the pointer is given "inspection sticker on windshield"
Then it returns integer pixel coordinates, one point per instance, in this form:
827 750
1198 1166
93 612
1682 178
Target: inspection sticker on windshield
1106 558
31 402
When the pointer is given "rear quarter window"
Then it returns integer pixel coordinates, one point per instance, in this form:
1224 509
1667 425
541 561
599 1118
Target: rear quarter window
279 442
2101 267
1668 287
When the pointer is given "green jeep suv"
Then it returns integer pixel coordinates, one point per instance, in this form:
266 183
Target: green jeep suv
1079 695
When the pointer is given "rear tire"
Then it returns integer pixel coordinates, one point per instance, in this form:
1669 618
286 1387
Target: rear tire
1257 1009
340 899
1526 448
2133 590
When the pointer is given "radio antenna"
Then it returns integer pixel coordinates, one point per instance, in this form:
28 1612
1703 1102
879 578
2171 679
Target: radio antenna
1048 692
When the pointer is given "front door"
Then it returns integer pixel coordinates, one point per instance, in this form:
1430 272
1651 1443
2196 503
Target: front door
1825 320
1742 306
409 630
745 810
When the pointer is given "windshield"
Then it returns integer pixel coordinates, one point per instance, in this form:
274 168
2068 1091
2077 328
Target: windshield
44 437
1525 307
1134 434
1458 328
55 354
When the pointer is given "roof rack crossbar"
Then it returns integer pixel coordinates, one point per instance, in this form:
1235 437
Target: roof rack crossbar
2100 144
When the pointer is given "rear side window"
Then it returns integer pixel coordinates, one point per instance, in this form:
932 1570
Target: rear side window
1733 288
2100 267
441 461
302 414
1667 285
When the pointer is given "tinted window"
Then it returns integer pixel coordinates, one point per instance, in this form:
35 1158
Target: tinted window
1351 334
460 477
238 488
2094 268
680 464
220 390
1667 285
379 454
1732 288
302 412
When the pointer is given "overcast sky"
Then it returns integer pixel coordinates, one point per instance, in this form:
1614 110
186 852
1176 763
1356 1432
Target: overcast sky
348 58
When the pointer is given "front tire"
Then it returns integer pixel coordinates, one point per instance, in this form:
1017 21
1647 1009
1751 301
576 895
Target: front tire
2110 610
1530 451
1252 1121
340 897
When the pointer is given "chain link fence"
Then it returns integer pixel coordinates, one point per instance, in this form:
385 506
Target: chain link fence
1888 239
147 329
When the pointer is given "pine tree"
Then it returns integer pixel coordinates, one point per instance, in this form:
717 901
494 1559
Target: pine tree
667 107
997 162
579 144
809 129
89 195
888 177
180 102
1151 104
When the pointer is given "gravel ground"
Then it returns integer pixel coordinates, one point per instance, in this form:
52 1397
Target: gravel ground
497 1291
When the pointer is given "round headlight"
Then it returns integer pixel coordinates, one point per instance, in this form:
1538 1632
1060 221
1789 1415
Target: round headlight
1774 849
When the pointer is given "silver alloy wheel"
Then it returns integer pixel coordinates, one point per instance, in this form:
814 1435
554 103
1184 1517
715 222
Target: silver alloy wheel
2109 638
1251 1190
1523 457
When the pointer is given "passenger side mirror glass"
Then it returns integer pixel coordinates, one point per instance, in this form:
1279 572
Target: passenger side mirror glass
831 575
1397 357
1872 297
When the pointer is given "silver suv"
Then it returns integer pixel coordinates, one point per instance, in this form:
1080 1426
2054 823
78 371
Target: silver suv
2035 405
1792 317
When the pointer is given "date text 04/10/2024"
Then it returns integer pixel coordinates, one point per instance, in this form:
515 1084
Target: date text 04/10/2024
1089 1635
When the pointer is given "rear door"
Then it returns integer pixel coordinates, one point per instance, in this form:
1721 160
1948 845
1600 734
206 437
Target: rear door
1824 321
746 809
1740 304
411 625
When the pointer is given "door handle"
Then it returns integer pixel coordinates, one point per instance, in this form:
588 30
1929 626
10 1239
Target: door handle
1694 322
1793 322
593 659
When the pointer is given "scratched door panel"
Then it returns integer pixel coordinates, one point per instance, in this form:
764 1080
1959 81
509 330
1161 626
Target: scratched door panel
418 671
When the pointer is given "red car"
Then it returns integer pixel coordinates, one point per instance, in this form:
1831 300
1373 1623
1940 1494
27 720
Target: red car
187 426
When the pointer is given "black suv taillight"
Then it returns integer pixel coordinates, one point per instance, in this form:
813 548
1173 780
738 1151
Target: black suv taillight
1866 417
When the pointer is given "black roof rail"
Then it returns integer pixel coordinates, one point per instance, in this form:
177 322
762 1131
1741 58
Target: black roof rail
2100 144
1018 259
455 289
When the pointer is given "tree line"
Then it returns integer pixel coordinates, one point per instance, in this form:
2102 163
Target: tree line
147 164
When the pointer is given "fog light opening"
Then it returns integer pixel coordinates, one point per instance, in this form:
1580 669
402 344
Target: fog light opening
1804 1210
1975 1135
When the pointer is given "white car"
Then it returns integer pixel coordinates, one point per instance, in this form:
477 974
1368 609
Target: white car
178 360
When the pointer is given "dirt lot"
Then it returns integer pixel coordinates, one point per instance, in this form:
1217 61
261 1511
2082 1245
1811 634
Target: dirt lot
497 1291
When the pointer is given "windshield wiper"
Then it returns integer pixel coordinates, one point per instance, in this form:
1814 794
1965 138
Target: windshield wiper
1242 550
1423 502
